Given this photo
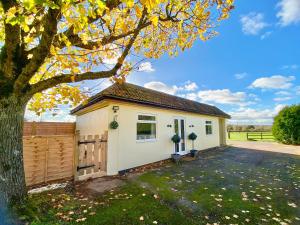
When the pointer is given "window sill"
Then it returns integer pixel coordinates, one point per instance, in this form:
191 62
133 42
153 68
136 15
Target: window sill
147 140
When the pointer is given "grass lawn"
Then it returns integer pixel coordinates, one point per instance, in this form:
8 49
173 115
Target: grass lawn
230 187
242 136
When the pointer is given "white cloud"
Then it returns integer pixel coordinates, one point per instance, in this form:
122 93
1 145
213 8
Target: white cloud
249 113
273 82
289 12
283 93
184 91
278 108
191 96
265 35
298 90
240 76
223 96
190 86
160 86
253 23
290 67
282 99
254 97
146 67
255 116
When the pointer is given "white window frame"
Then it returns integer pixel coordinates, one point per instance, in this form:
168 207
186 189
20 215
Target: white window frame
146 121
209 124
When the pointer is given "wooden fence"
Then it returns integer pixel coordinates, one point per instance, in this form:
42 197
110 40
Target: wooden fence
48 158
48 150
48 128
259 136
53 152
249 135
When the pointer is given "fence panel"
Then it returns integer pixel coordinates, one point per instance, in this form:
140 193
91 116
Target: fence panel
48 128
48 158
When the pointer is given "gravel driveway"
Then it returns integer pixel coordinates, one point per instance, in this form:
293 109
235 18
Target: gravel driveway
266 146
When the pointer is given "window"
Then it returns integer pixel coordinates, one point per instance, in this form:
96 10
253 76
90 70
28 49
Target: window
146 128
208 127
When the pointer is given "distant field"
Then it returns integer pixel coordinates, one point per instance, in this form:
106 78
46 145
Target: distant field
255 136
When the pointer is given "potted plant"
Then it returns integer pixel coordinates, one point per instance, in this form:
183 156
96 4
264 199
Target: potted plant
192 136
176 157
114 125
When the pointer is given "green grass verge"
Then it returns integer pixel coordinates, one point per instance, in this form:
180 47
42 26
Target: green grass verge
130 204
229 187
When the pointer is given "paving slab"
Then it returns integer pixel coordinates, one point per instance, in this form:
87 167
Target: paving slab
100 185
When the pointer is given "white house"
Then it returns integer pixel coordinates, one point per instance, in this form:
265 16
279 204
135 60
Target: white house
147 121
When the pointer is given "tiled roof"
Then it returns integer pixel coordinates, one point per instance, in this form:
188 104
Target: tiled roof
133 93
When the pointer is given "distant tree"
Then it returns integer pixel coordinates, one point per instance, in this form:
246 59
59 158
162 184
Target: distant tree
239 128
286 127
250 128
230 128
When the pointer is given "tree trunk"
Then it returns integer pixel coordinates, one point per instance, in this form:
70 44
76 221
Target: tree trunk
12 176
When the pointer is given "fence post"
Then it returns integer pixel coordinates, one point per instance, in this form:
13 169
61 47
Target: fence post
247 136
76 152
261 136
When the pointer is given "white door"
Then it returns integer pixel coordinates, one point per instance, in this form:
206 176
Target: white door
179 128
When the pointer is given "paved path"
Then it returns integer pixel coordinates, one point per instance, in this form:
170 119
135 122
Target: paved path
266 146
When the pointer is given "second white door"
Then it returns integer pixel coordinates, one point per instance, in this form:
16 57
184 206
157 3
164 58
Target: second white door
179 128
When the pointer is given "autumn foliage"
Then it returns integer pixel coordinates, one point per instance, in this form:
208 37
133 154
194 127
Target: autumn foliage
64 41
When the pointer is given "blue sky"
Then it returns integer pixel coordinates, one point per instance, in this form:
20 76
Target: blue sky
250 70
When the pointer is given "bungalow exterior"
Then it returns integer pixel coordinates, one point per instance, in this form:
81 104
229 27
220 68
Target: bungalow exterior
147 120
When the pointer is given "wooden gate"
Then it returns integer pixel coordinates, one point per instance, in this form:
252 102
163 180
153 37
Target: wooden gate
90 156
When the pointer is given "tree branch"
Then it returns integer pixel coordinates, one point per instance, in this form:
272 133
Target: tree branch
11 49
77 42
68 78
40 52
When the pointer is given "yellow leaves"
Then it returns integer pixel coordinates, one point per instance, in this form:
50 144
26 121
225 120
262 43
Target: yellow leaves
29 3
73 78
138 11
101 7
230 2
60 95
123 26
129 3
154 20
159 35
53 50
150 4
84 38
28 39
11 13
